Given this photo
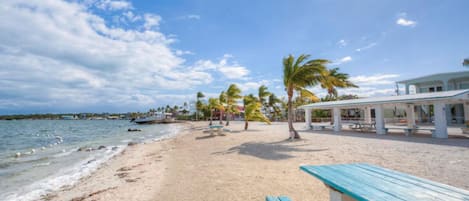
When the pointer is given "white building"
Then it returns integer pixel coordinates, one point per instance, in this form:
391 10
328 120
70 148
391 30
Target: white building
438 100
436 83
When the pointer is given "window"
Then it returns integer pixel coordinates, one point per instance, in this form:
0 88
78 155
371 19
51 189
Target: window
439 88
431 89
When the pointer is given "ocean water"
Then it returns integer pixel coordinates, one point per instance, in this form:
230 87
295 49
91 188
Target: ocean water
49 156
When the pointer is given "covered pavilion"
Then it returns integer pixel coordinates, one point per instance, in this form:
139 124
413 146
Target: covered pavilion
439 100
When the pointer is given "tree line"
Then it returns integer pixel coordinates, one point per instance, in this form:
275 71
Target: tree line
298 74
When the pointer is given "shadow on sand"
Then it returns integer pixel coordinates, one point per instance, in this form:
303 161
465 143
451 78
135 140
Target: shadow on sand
458 141
205 137
270 151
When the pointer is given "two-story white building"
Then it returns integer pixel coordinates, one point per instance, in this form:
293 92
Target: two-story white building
435 83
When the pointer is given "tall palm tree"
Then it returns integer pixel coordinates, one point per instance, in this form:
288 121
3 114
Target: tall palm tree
212 105
222 101
198 104
297 75
232 95
252 110
332 79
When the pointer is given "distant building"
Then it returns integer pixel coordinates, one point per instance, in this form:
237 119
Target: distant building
439 82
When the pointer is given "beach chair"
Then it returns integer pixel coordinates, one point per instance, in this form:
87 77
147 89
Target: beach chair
275 198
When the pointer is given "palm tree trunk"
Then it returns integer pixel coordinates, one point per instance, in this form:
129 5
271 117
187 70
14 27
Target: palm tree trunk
221 117
211 117
245 124
293 132
228 116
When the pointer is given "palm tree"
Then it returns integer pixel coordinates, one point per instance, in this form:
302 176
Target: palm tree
222 101
297 75
167 109
272 104
466 62
232 95
212 105
252 110
198 104
262 94
332 79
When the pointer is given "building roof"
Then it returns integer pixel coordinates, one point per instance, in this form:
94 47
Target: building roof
438 76
454 96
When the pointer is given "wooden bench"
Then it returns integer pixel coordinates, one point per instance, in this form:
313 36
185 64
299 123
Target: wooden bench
368 182
279 198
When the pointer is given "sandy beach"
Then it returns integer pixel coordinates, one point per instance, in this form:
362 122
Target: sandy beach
248 165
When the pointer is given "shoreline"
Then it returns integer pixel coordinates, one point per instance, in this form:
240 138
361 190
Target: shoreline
68 191
248 165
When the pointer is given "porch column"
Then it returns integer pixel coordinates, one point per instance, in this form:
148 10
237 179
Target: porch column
379 119
367 112
449 116
459 113
466 113
307 118
337 119
441 130
410 116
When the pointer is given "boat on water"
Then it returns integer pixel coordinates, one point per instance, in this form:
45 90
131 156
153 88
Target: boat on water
158 118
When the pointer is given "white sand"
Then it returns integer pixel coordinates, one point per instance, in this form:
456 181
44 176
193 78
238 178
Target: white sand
248 165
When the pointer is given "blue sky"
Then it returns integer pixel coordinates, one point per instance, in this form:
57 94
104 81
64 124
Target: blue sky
119 55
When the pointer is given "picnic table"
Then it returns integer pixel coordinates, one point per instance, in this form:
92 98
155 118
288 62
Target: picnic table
216 127
368 182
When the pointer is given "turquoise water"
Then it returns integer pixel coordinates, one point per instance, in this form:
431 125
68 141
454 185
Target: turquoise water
49 156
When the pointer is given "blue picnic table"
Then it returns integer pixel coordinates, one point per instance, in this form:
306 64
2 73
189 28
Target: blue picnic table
217 127
361 181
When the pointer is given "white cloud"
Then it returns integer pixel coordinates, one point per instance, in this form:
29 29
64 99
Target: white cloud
373 80
131 16
405 22
251 86
74 59
230 70
366 47
234 72
343 60
342 43
114 5
346 59
151 20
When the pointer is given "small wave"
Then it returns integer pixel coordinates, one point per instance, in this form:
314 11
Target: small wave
67 176
63 153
